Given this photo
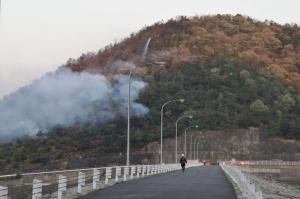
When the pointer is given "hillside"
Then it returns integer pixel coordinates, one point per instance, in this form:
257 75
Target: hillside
266 46
233 71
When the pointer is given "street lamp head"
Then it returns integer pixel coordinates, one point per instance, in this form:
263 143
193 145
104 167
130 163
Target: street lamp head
181 100
196 126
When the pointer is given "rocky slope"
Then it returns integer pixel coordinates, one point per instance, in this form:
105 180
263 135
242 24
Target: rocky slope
240 144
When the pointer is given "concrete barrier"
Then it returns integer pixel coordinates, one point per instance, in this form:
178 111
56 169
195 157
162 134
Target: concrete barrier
73 183
37 188
248 189
3 192
96 178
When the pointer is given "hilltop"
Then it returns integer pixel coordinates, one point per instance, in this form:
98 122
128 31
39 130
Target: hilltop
234 72
266 46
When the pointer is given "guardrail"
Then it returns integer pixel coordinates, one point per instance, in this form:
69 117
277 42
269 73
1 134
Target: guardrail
247 188
260 170
73 183
271 163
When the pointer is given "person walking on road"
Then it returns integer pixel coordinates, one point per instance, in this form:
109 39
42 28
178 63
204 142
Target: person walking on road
183 162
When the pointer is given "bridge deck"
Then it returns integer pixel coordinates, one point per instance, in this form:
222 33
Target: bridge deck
207 182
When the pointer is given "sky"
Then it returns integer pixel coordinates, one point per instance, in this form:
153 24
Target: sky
37 36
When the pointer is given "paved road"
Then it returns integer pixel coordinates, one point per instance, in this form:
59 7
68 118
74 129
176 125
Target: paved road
207 182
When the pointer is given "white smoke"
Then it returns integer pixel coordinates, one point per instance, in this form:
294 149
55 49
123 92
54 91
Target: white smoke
64 98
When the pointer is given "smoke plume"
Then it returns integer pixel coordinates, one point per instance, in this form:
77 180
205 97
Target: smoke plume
64 98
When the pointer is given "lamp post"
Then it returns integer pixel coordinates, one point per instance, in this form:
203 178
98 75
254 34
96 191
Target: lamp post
176 140
198 151
198 147
161 125
128 117
129 108
195 143
194 146
185 131
191 143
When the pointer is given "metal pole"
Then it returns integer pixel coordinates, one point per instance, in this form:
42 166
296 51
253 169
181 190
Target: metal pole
176 137
161 133
161 126
191 152
185 142
176 152
198 151
128 119
195 148
185 132
0 12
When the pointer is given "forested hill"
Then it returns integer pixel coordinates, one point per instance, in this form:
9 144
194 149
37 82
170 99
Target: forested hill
266 46
233 72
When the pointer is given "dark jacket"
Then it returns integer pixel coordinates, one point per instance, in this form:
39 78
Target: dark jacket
183 161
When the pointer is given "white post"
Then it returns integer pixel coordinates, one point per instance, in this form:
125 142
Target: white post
143 171
81 181
132 171
62 186
152 170
3 192
37 189
107 174
138 171
118 173
126 173
148 170
96 178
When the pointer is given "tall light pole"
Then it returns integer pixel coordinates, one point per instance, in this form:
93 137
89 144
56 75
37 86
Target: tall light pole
176 140
198 147
198 151
0 11
193 146
195 142
161 125
185 131
128 117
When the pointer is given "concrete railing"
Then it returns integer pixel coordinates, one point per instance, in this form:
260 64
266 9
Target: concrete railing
259 170
271 163
247 188
74 183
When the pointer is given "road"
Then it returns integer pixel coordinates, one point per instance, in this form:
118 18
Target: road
206 182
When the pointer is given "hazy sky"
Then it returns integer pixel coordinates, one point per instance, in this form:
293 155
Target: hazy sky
36 36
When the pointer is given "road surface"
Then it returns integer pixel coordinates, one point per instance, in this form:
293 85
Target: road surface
206 182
